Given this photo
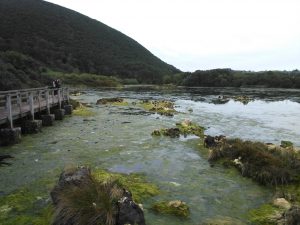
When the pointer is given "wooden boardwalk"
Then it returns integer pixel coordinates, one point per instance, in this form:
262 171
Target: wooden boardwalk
17 104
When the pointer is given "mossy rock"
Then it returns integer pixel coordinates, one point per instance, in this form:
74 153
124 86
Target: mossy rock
188 127
105 101
83 111
165 108
74 103
257 161
286 144
267 214
243 99
170 132
176 208
184 128
135 183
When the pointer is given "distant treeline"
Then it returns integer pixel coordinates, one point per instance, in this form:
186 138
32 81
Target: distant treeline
233 78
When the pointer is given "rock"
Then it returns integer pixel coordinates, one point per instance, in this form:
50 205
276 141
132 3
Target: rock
210 141
286 144
292 216
171 132
282 203
176 207
104 101
111 202
129 211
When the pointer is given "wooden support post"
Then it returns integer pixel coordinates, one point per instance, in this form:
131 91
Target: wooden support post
68 95
9 111
39 100
31 103
47 101
19 102
52 93
59 98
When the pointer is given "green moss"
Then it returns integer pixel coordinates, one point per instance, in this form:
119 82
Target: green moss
135 183
177 208
267 214
83 111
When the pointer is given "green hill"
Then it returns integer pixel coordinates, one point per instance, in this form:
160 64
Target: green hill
47 36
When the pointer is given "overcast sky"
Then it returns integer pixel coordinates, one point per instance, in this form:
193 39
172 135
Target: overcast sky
206 34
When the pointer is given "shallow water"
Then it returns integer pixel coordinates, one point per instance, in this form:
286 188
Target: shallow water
118 139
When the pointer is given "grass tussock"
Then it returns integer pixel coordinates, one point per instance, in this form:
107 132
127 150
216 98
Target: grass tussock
92 203
267 166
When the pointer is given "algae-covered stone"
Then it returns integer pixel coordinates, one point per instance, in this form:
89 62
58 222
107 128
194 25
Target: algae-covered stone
163 107
104 101
243 99
187 127
184 128
286 144
176 207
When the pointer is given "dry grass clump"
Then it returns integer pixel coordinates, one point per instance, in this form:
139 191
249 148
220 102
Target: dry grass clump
255 160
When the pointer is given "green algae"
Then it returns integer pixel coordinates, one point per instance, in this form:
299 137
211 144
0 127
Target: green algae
29 205
176 208
266 214
83 111
25 206
135 183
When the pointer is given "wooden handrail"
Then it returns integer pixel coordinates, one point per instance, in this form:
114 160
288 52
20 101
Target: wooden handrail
19 103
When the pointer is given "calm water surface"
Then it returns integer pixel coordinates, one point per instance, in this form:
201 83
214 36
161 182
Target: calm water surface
118 139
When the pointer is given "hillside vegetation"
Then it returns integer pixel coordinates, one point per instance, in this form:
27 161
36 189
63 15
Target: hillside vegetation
234 78
63 40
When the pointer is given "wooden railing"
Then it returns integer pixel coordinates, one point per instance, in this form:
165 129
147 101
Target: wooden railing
20 103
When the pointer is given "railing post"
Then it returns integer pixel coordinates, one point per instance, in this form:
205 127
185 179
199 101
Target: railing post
19 102
68 95
9 111
39 100
31 103
59 98
47 101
